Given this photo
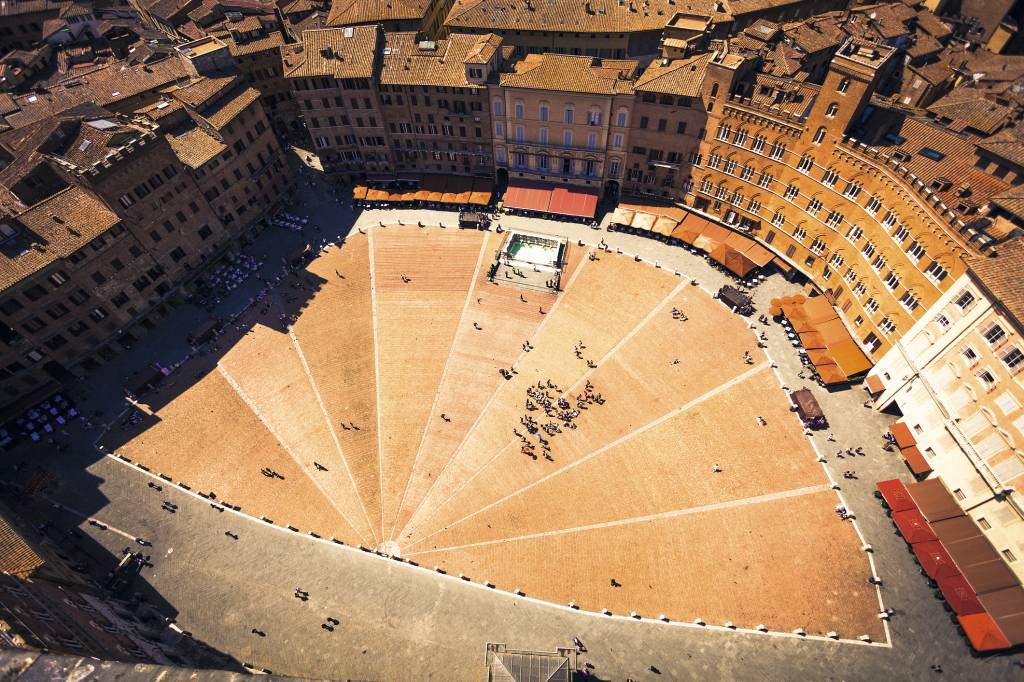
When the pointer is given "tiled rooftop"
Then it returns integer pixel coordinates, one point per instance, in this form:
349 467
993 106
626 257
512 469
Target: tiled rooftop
336 52
1000 274
572 16
569 73
408 62
972 107
195 146
61 225
356 12
681 77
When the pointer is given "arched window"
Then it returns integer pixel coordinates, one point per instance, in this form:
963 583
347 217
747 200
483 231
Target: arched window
844 85
520 110
820 135
568 116
499 107
832 110
622 118
714 89
545 110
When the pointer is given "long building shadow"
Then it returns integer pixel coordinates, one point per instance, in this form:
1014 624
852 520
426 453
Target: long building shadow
51 489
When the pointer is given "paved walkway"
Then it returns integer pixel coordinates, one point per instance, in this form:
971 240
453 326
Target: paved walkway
399 622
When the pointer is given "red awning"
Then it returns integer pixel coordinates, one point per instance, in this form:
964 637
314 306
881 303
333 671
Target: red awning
573 201
935 560
874 384
959 594
895 495
915 460
901 432
983 633
528 196
913 526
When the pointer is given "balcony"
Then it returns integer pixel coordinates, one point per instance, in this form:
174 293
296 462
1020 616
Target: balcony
554 145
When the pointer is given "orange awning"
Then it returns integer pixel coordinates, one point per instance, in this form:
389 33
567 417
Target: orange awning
819 310
983 633
874 384
831 374
820 357
901 432
915 460
833 330
737 241
690 228
759 255
850 357
359 192
710 237
812 340
738 264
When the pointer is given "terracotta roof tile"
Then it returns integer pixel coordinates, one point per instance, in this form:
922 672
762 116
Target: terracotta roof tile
1011 200
815 34
195 147
679 77
336 52
1000 275
571 73
104 85
202 91
1006 146
971 106
80 217
932 25
575 16
405 63
356 12
16 556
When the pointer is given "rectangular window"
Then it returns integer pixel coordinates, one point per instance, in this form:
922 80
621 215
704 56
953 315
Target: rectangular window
964 300
994 335
1013 358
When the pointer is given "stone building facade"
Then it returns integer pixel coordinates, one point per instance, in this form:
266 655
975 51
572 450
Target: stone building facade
956 378
110 214
563 118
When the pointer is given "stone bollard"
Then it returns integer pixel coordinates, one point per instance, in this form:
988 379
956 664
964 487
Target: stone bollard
634 614
572 605
606 612
699 621
762 628
729 625
800 631
663 618
832 634
440 570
